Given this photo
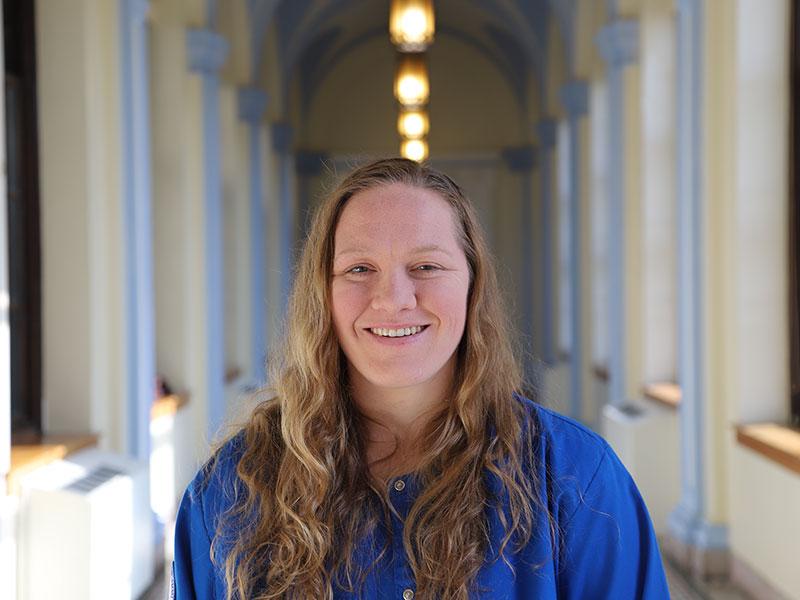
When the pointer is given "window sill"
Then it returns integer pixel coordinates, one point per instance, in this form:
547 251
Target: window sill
47 449
666 393
779 443
167 406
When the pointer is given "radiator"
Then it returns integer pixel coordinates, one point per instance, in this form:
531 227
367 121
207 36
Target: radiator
86 530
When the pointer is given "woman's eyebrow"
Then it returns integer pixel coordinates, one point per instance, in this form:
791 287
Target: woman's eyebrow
418 250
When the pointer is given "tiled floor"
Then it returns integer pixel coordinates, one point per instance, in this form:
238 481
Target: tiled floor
680 588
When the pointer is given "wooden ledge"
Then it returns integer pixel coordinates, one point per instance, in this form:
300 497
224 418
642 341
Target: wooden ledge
168 405
25 457
666 393
601 372
779 443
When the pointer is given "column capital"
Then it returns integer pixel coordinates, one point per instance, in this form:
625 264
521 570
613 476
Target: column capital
546 132
282 134
309 162
207 50
520 158
252 104
574 95
137 10
618 42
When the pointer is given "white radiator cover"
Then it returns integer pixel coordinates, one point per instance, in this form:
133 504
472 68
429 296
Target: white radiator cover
645 436
86 530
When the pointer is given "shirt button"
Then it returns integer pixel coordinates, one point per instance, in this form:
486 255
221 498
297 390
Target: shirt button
408 594
400 485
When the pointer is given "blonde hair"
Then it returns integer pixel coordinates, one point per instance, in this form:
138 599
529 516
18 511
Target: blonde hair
304 495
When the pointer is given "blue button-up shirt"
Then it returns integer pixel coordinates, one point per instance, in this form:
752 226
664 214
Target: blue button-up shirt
604 545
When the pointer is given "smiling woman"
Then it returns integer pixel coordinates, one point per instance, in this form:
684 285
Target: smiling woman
396 458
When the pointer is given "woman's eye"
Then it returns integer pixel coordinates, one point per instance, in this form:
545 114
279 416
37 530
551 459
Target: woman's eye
426 268
358 269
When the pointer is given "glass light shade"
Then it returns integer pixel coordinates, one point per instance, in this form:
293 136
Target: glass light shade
414 149
411 87
411 24
413 123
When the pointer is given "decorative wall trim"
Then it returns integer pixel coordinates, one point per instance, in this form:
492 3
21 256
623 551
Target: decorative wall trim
252 105
207 50
546 131
618 42
137 201
282 139
575 98
522 160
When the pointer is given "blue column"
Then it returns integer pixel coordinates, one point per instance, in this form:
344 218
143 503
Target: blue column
521 160
546 132
137 199
688 522
207 52
282 143
252 104
619 44
575 98
308 164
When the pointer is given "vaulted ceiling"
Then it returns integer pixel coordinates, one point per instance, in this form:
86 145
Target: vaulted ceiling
313 35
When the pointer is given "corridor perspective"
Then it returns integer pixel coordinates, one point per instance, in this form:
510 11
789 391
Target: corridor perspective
632 162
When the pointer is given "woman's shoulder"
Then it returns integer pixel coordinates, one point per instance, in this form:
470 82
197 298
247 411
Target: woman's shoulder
553 432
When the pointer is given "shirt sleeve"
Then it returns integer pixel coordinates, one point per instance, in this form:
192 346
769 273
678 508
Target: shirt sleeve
609 546
193 571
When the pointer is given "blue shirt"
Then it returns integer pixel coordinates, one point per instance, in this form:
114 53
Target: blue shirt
605 545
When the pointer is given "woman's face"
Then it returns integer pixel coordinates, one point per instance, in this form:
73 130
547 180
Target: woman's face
399 288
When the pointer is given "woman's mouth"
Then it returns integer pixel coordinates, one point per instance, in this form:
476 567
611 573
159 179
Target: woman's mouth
397 332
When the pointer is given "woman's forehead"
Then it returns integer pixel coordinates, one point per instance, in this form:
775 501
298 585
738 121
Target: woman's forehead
396 215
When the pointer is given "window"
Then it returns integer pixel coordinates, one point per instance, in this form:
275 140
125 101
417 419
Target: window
23 216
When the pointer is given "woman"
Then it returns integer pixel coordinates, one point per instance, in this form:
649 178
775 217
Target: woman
397 459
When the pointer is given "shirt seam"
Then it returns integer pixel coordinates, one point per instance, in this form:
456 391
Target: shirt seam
588 485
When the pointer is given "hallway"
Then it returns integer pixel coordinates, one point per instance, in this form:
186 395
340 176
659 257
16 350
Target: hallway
633 163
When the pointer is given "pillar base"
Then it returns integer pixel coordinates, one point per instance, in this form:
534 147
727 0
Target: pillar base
699 547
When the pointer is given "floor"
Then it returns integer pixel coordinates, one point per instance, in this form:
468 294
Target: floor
680 587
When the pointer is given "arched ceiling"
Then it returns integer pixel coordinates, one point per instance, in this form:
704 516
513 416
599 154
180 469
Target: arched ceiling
312 35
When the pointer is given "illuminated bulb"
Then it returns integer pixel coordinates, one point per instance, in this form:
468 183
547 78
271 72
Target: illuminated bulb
411 24
411 86
412 124
414 149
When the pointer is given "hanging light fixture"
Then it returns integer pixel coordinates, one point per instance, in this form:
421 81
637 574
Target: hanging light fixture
411 24
413 123
411 87
414 149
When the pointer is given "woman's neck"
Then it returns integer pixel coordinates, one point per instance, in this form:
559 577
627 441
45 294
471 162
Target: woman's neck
395 419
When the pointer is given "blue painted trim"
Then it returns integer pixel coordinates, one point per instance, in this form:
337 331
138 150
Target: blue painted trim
207 50
207 53
282 137
308 164
688 521
546 132
137 211
618 42
575 97
252 105
521 160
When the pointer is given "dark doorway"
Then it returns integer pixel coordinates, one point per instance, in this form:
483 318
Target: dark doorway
24 261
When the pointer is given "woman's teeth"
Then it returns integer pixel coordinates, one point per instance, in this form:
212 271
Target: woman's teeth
396 332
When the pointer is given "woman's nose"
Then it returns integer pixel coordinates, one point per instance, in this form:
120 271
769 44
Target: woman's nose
394 292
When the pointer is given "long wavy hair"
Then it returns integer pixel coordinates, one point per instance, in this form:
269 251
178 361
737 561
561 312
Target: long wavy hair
305 498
